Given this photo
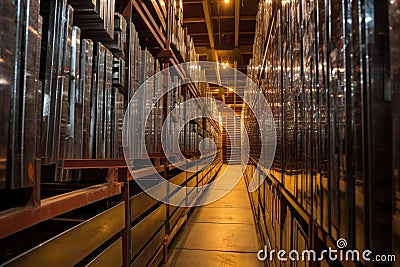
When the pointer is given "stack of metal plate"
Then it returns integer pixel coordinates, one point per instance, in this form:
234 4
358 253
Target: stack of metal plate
120 33
101 110
64 123
39 93
97 116
71 136
95 18
52 93
63 130
134 61
118 79
7 54
118 113
85 78
107 123
20 23
76 95
133 77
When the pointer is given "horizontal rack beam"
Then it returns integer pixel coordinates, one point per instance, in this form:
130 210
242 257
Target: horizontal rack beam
18 219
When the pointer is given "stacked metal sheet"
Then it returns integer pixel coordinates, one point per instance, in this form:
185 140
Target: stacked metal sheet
85 78
77 110
52 93
71 107
134 60
64 122
76 96
7 54
97 107
118 113
132 80
64 140
120 34
95 18
19 37
148 71
100 143
178 39
61 92
118 78
107 124
39 93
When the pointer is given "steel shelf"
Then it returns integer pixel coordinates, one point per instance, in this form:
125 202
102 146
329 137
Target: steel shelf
15 220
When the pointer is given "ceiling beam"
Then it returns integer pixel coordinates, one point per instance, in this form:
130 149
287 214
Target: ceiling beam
237 18
200 20
225 33
244 50
210 30
207 15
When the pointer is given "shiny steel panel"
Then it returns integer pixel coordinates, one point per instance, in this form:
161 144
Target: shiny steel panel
111 256
141 203
7 51
62 250
141 232
150 251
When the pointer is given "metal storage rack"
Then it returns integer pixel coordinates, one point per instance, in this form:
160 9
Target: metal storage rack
85 186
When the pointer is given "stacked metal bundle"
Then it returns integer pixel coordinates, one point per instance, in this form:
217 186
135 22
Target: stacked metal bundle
85 81
19 56
101 105
118 78
132 81
178 32
118 116
76 97
108 92
61 111
39 86
95 17
120 33
56 80
97 116
7 54
147 70
78 115
134 60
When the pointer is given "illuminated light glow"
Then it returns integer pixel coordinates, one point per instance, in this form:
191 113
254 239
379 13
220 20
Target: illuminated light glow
225 64
3 82
226 1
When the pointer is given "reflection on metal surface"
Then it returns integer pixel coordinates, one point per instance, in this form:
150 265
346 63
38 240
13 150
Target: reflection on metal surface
111 256
150 250
323 67
146 228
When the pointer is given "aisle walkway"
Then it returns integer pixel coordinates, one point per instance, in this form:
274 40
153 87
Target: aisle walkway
219 234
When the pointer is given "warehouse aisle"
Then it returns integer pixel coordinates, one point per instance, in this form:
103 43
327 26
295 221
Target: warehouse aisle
219 234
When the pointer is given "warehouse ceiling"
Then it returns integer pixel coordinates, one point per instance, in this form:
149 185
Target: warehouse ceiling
223 31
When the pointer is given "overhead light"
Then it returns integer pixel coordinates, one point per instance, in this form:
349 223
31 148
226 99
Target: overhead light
226 1
225 64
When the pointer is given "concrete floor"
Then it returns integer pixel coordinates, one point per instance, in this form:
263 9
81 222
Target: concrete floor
219 234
